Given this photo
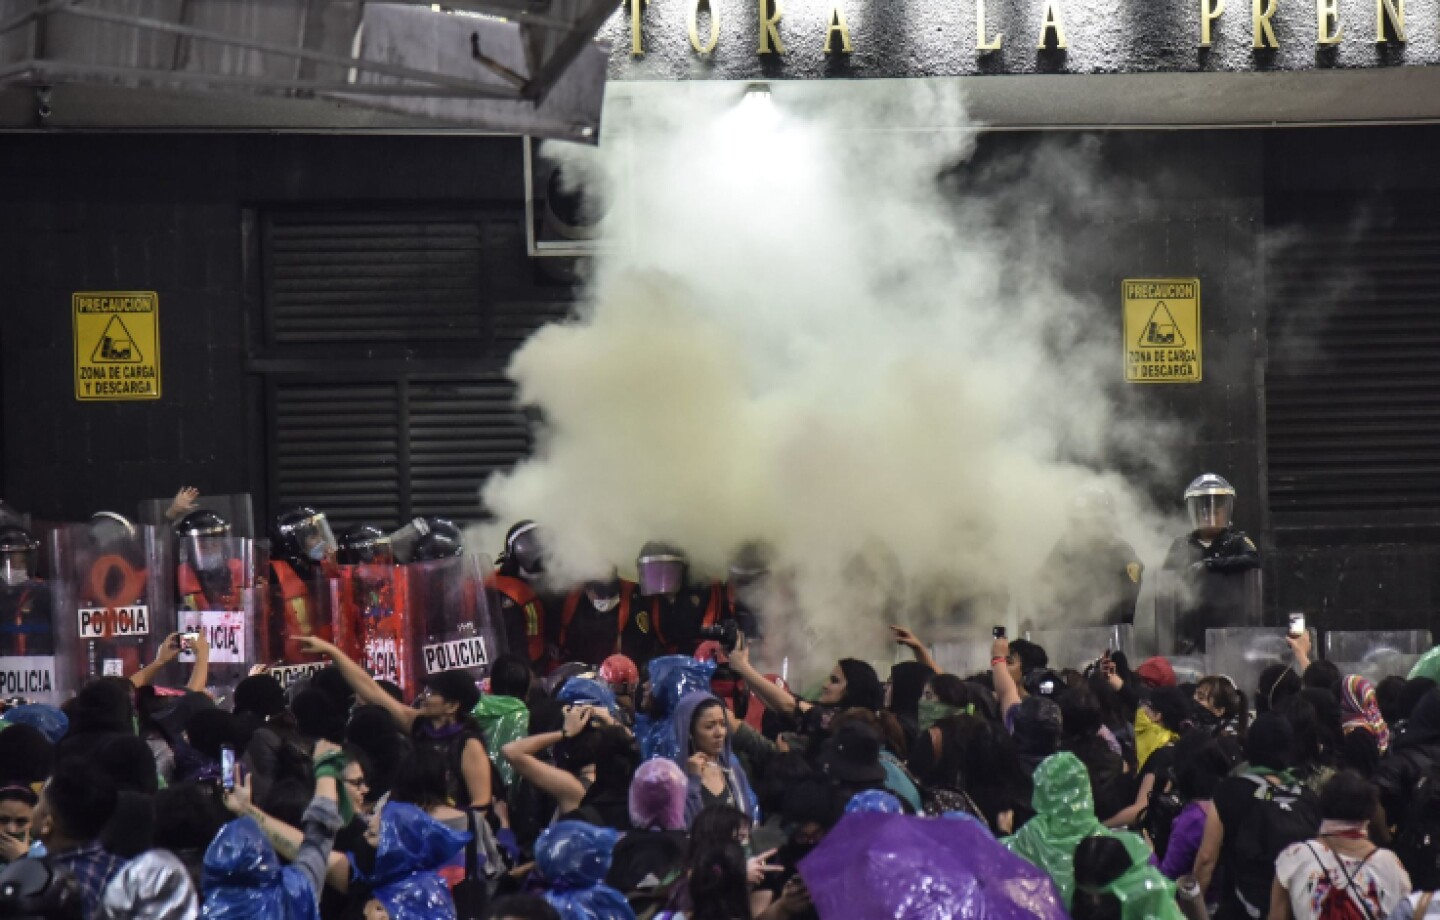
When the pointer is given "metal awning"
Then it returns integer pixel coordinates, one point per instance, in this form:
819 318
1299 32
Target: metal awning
524 66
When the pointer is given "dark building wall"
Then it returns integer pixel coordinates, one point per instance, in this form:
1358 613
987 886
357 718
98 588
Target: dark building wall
164 213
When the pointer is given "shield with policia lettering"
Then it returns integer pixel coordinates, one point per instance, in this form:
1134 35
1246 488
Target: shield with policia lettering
452 625
372 622
113 597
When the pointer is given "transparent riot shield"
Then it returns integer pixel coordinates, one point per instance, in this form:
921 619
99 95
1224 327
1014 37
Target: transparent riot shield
236 509
1076 647
1376 654
1242 652
371 621
962 650
114 601
221 595
28 642
452 625
297 604
1186 608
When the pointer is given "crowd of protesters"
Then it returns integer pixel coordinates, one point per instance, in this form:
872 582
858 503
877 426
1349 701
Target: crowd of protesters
618 791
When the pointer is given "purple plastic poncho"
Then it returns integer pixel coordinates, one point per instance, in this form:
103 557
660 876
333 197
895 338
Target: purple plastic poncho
412 846
574 857
244 880
901 867
671 678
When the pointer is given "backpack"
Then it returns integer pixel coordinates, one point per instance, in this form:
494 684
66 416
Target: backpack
1418 844
1158 818
1339 903
1282 814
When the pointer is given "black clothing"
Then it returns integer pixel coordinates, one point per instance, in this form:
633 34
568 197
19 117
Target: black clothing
1091 580
25 619
1214 578
590 635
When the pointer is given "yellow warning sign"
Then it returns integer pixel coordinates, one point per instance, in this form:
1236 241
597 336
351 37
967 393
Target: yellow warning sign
117 345
1162 330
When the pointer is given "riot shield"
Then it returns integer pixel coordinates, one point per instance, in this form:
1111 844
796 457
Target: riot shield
1186 610
236 509
1078 646
452 624
114 603
220 594
1376 654
28 662
962 650
1242 652
370 617
296 605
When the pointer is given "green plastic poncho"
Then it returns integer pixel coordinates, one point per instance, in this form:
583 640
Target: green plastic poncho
1427 666
502 719
1144 893
1064 815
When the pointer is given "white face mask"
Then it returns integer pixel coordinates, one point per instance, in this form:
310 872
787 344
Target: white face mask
14 573
605 604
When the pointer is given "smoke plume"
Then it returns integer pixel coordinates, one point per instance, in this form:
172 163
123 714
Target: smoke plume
805 330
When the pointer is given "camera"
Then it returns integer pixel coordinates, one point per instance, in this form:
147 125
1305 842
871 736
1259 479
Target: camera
727 634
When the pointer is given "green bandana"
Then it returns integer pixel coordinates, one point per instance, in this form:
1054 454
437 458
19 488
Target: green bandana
333 765
932 711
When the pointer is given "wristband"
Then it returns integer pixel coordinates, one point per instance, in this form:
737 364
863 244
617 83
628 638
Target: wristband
998 659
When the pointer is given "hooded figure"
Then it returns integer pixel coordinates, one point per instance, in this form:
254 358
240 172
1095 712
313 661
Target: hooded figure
46 719
152 886
574 857
735 779
1143 892
1064 815
243 879
502 719
583 691
657 796
412 846
671 677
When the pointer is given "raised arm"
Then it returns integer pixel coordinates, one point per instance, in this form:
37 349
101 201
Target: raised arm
360 681
1301 646
200 674
776 699
169 651
907 638
1005 690
523 755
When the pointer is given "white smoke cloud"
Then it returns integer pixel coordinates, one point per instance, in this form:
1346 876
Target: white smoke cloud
796 333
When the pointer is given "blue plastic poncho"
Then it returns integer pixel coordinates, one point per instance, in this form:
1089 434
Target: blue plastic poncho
582 691
745 800
244 880
412 847
874 800
48 720
671 678
574 858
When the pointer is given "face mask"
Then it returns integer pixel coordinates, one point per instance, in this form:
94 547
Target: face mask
16 576
317 552
932 711
605 604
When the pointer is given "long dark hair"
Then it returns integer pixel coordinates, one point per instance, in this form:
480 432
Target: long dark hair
713 826
718 889
1228 698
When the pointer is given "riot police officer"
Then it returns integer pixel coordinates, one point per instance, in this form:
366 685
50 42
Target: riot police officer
25 627
1212 561
302 547
593 617
364 544
1092 576
514 587
208 574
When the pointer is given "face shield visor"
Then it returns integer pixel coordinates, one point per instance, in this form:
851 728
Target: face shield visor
207 552
313 537
1210 512
16 564
368 551
527 550
662 571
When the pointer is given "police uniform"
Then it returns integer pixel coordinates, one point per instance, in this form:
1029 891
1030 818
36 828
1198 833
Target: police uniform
589 634
1214 576
1092 580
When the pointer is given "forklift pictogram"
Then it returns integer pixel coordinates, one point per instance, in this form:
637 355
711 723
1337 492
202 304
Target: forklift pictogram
1161 330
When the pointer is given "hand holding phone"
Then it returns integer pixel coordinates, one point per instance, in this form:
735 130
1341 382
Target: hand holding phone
1297 625
227 768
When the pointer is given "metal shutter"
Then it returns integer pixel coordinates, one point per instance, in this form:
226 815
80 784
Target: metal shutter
1353 377
373 279
459 433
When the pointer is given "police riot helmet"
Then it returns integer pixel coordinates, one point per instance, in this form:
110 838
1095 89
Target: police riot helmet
661 568
109 527
1211 503
524 548
204 537
444 541
302 537
751 562
365 544
17 554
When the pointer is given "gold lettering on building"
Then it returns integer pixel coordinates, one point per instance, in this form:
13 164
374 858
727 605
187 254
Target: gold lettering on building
709 46
1210 12
1393 12
980 43
1327 22
1052 26
636 43
837 26
770 13
1261 12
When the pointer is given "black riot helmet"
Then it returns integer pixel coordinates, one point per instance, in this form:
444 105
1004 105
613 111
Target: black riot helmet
204 539
365 544
108 528
444 541
524 549
302 537
17 554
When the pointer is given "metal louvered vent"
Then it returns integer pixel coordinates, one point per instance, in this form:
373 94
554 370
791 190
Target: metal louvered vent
337 446
460 433
1353 379
358 280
